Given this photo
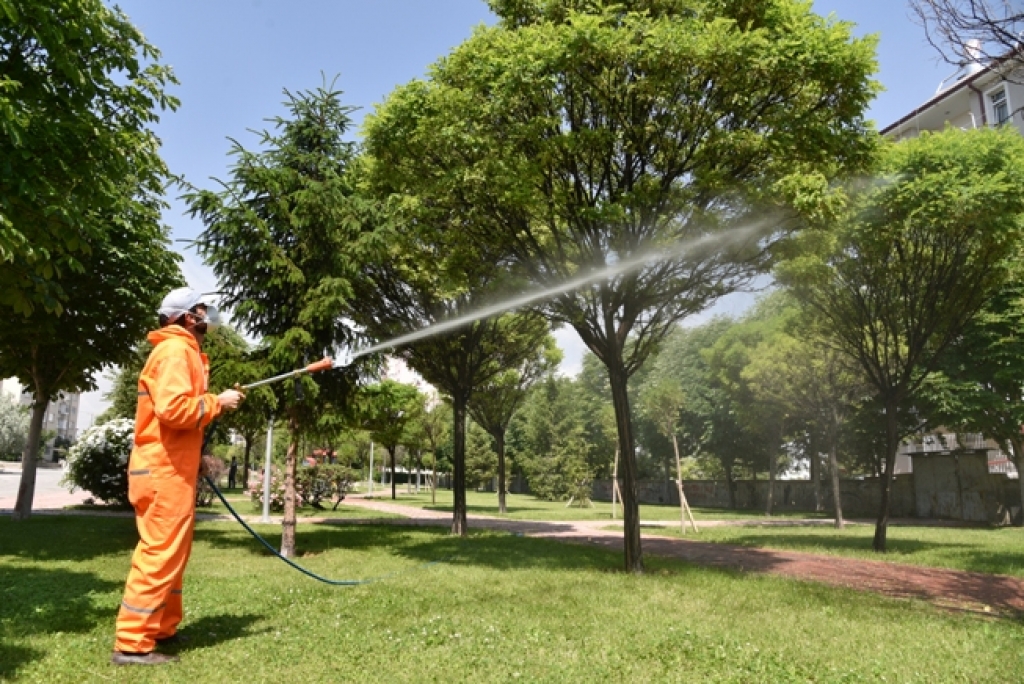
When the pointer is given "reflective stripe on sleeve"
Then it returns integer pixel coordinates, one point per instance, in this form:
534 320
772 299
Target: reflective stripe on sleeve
144 471
202 412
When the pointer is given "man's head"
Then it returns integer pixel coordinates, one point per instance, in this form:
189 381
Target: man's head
185 307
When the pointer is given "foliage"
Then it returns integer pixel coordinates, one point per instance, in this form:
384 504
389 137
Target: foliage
285 238
481 459
276 488
912 260
79 89
550 444
213 467
13 426
325 482
98 462
574 136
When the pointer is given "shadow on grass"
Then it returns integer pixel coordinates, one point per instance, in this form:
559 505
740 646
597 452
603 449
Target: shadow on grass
495 550
66 537
35 600
207 632
13 658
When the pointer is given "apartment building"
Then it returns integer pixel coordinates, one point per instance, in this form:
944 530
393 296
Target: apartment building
60 420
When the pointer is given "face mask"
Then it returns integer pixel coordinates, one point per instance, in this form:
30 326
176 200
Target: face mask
209 321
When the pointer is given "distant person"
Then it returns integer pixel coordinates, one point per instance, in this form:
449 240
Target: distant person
174 408
232 471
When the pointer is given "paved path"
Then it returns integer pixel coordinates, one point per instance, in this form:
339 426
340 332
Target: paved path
49 495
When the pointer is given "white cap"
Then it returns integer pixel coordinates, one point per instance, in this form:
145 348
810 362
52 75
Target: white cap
179 302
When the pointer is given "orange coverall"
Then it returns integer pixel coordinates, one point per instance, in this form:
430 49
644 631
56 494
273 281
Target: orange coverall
174 407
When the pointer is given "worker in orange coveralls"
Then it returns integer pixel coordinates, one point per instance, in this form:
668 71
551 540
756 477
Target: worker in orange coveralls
174 407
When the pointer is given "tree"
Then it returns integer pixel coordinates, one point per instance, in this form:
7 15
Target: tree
912 261
13 425
550 441
980 386
107 308
495 402
574 136
285 238
79 88
966 31
481 458
435 425
816 384
386 409
662 403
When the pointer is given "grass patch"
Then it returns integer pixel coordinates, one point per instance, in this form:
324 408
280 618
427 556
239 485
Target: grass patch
528 507
995 550
245 507
503 608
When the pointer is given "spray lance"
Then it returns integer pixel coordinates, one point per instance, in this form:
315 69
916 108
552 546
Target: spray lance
323 364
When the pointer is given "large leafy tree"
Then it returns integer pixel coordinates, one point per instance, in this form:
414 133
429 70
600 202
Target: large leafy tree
285 239
108 306
496 401
387 409
576 135
79 88
817 386
911 262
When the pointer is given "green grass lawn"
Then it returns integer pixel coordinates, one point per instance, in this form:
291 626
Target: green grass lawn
502 608
527 507
977 549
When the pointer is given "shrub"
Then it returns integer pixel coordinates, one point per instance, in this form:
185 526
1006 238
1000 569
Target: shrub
214 468
98 462
276 488
324 482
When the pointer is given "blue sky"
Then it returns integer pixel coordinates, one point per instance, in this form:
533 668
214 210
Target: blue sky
234 57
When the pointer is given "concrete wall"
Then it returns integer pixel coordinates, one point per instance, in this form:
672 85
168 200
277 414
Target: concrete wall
932 495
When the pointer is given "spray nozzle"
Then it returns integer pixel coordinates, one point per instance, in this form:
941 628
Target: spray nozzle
342 360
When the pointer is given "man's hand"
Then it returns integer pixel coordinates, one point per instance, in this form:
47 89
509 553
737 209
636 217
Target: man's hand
230 399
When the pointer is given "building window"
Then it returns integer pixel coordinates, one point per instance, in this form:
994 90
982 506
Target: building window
1000 106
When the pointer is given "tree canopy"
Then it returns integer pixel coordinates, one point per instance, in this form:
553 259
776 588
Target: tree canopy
79 88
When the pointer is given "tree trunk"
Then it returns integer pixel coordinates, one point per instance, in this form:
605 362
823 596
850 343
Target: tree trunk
391 458
833 466
290 463
27 486
1018 461
499 443
815 460
433 480
634 560
891 445
679 485
730 486
615 480
459 401
772 468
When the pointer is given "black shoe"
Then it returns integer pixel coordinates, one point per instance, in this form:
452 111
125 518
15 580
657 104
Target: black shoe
175 639
151 658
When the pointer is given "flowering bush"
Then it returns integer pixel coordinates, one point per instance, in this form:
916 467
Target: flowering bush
98 462
276 489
